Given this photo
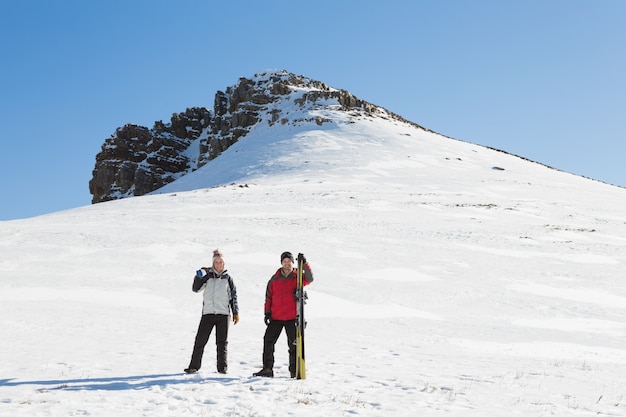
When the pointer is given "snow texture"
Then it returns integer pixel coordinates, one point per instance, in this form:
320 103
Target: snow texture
450 279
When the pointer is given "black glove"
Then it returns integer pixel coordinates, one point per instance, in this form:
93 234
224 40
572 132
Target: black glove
303 258
268 318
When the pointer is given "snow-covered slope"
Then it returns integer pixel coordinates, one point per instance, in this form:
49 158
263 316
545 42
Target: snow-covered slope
451 279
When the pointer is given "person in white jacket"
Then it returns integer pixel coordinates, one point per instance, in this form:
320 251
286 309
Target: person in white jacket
219 299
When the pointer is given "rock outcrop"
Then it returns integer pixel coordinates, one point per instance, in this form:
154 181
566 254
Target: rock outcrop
136 160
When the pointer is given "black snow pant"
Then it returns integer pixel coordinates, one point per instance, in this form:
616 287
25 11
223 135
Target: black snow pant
272 332
207 322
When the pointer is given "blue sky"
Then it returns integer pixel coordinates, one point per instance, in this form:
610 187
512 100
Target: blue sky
543 79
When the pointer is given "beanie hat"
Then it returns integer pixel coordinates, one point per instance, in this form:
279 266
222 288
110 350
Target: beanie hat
217 254
286 255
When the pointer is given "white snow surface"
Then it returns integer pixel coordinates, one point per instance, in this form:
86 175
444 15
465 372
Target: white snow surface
450 279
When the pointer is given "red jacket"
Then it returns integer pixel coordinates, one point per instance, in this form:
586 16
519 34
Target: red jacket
280 300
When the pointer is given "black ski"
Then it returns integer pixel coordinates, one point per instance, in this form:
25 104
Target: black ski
300 322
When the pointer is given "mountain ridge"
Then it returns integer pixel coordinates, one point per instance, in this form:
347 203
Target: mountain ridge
137 160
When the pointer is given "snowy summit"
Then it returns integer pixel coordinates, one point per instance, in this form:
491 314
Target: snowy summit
136 160
450 279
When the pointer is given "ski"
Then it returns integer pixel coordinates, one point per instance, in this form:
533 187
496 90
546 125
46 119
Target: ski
300 322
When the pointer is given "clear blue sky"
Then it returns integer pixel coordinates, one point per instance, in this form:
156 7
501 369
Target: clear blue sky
543 79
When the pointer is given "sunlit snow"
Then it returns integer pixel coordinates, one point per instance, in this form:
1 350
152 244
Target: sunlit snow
450 279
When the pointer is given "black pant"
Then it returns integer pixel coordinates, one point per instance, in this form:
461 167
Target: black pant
271 336
207 322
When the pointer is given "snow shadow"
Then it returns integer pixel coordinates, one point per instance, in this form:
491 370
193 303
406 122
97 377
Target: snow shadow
136 382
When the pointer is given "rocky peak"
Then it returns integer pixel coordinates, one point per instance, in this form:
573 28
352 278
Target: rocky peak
136 160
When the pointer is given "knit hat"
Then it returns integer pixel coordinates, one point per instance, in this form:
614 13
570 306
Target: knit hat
286 255
217 254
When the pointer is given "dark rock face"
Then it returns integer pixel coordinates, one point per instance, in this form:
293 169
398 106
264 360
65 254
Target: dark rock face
136 160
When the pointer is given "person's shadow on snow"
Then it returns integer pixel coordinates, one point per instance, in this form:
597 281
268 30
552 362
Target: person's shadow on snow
136 382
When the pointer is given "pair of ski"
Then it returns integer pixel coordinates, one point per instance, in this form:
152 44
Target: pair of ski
300 322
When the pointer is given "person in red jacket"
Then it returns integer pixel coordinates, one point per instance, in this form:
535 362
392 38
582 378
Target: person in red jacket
280 312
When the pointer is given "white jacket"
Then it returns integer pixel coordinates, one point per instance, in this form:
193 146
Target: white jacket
220 294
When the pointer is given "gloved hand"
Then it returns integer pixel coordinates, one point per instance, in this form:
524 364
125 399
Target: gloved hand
303 258
199 273
235 318
268 319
